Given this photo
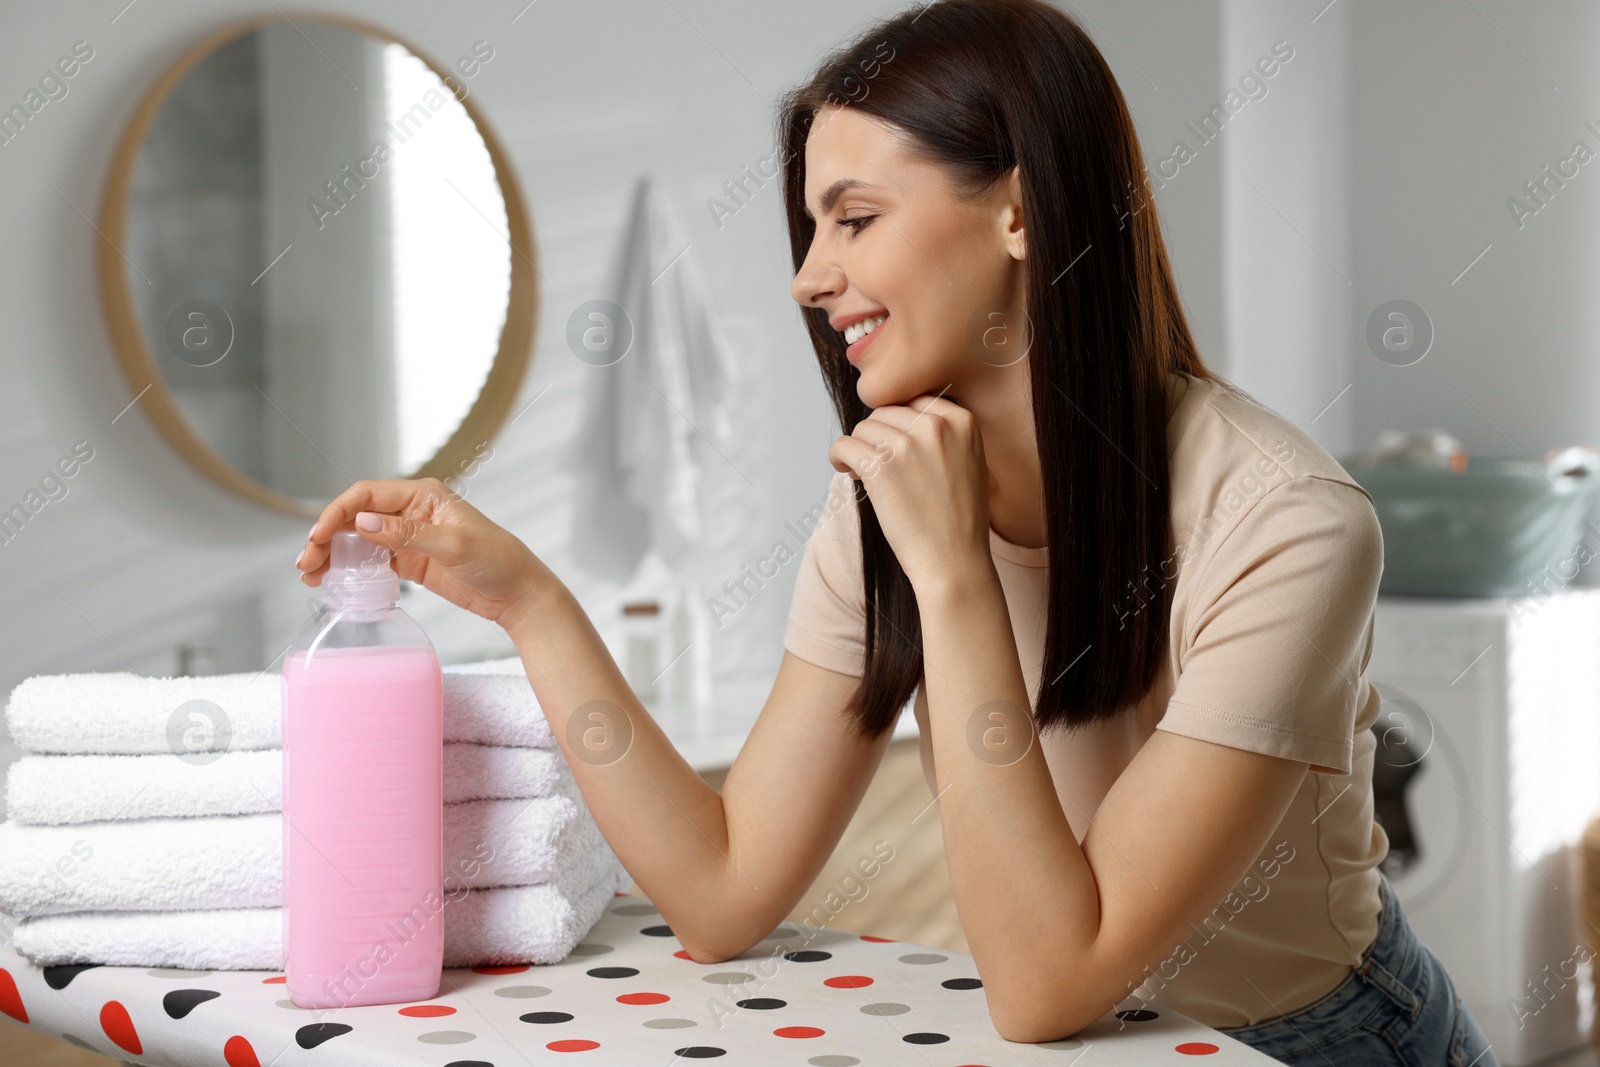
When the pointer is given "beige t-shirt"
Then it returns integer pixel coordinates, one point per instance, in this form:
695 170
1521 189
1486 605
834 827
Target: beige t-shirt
1278 554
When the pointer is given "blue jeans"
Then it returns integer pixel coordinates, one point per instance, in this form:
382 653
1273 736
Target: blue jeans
1398 1006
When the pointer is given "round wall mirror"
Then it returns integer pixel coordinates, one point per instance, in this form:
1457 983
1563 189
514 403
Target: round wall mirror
315 261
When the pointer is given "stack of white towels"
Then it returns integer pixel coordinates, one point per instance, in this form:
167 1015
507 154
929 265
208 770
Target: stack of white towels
118 851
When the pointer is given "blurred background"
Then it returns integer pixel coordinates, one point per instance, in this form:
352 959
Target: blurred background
1393 232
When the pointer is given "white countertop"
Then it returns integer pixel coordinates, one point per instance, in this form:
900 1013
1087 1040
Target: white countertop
717 751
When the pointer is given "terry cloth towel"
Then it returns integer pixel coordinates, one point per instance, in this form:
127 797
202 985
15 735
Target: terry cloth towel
482 927
58 790
236 861
648 420
120 713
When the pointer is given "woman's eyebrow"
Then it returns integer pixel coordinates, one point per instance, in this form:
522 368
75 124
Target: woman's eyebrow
831 195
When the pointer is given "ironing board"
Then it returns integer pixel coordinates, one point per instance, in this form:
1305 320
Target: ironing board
628 994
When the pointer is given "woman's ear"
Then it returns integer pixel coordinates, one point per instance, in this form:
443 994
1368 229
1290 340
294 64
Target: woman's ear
1015 231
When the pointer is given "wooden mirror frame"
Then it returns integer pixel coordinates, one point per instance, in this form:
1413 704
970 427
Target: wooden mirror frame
487 414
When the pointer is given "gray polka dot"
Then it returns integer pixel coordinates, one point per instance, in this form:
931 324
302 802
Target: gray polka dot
923 957
174 972
447 1037
1064 1044
591 949
834 1061
522 992
635 909
73 1039
291 1005
670 1024
728 977
782 932
885 1008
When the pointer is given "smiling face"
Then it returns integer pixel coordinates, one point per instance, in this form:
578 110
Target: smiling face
893 239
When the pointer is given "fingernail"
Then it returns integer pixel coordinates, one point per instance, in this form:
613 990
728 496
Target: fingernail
368 521
313 531
300 557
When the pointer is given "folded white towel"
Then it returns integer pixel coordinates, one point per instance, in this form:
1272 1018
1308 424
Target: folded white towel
58 790
235 861
120 713
515 924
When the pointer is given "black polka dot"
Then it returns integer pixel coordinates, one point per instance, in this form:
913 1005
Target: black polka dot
700 1052
962 983
762 1003
926 1039
61 977
1137 1015
657 931
180 1002
546 1017
612 972
810 955
314 1034
469 1063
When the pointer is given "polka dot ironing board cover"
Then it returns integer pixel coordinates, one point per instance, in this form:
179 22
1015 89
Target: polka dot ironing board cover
627 995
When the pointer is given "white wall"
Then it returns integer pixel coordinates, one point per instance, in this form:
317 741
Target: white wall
1452 110
1285 198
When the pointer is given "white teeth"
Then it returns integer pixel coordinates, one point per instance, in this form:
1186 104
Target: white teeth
857 330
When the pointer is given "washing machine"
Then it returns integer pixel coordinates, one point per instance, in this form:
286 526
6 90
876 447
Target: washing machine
1487 771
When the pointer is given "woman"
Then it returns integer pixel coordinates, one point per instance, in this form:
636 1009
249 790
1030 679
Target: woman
1133 605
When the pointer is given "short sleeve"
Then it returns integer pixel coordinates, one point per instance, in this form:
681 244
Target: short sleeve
828 615
1279 627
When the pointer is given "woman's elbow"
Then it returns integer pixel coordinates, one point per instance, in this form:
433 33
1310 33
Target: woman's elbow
717 948
720 944
1030 1021
707 955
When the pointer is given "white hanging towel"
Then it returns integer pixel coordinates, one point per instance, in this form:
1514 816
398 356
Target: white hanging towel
638 450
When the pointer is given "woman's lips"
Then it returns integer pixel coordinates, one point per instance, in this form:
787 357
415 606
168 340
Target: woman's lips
853 352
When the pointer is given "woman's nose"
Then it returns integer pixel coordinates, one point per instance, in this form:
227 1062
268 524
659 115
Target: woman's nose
812 284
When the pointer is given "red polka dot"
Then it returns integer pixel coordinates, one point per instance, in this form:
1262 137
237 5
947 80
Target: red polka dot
118 1026
797 1031
280 980
10 998
427 1011
869 937
643 998
847 981
574 1044
238 1053
517 969
683 954
1197 1048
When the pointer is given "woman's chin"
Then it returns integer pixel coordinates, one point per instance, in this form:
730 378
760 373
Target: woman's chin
874 398
875 394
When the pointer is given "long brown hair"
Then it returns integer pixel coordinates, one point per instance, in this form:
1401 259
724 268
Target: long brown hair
981 86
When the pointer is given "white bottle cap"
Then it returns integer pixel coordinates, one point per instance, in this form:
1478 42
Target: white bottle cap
359 576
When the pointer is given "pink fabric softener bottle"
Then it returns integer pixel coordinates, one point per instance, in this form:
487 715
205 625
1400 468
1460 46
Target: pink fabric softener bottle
363 792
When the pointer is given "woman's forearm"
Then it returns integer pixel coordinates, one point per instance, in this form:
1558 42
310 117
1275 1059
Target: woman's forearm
664 822
1020 879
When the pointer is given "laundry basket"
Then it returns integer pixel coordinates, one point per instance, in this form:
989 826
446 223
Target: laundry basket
1590 864
1502 527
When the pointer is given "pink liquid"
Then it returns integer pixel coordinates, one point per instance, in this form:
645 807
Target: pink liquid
363 851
